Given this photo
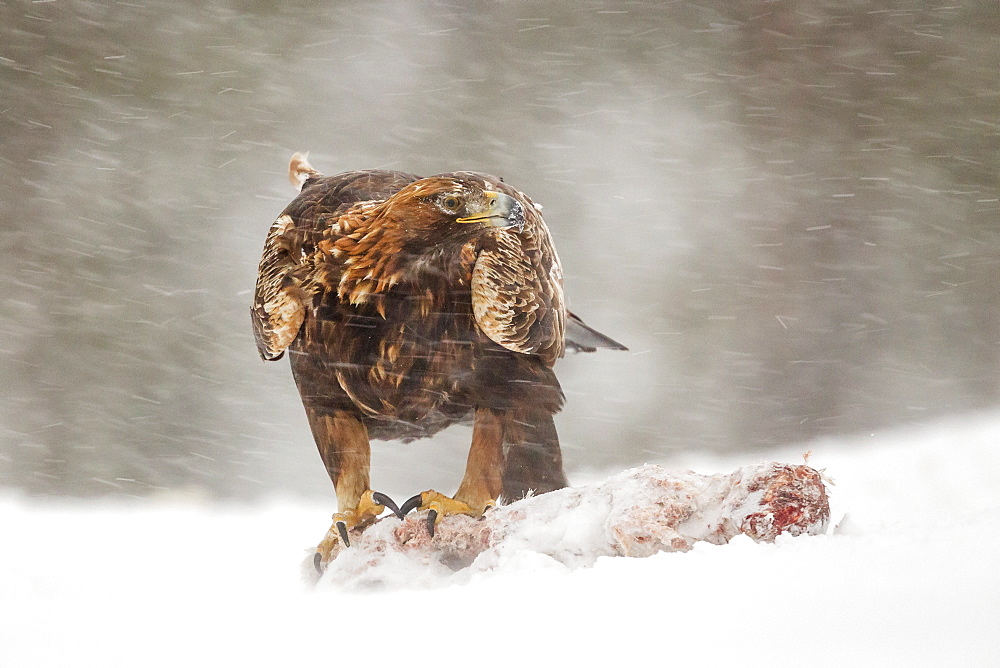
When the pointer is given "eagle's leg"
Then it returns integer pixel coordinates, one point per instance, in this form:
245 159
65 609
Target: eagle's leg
343 444
533 460
482 482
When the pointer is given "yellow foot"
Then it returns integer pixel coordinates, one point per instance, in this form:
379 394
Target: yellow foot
439 505
370 506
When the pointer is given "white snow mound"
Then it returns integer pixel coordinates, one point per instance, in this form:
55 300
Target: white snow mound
636 513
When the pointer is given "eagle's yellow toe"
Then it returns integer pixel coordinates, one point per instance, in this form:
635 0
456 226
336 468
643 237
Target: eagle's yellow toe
438 505
370 506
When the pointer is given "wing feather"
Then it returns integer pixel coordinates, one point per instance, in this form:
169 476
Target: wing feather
278 303
292 271
517 294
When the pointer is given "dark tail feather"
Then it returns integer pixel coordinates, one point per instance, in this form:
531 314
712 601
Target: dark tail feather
533 460
582 338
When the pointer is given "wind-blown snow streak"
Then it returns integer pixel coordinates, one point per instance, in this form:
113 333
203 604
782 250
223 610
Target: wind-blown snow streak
636 513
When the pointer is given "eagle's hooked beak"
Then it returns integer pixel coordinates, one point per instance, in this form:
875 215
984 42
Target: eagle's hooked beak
503 211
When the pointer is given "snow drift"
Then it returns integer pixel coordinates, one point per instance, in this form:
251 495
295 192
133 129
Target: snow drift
907 577
636 513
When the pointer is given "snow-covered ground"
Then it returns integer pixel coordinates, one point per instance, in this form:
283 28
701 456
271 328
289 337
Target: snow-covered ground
910 576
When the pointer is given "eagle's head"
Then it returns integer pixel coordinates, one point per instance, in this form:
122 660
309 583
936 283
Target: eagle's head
455 207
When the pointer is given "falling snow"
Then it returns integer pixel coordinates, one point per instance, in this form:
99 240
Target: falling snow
787 211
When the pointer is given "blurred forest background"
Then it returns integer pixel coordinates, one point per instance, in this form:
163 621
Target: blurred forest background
787 209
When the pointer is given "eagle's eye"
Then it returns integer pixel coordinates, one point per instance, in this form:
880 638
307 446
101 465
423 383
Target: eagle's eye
451 202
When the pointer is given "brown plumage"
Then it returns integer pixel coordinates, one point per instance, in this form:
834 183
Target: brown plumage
409 304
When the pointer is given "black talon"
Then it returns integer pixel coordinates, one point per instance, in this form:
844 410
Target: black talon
411 503
384 500
432 516
342 530
318 562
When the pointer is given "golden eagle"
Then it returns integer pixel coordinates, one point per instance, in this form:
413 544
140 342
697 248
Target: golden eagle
409 304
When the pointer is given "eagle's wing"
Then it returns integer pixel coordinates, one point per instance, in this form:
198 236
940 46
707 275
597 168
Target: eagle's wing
290 270
279 303
582 338
517 294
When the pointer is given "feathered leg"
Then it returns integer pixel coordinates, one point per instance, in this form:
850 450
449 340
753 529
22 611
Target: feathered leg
481 484
533 460
343 445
